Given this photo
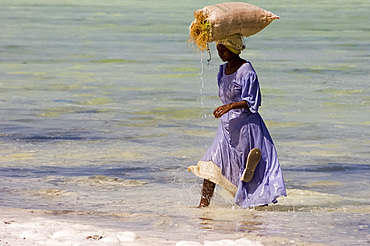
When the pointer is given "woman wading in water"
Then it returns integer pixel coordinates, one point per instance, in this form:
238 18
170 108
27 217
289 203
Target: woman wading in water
242 158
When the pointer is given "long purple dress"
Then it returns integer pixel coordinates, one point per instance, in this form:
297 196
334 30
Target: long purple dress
241 130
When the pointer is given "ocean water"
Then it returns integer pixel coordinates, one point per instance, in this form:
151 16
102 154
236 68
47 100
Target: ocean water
103 106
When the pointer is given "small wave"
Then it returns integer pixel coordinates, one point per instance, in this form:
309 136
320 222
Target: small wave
308 201
332 167
52 193
105 180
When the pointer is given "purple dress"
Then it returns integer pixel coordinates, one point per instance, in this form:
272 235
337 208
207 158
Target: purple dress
241 130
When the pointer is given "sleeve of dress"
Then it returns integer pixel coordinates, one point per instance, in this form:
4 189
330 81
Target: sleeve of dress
251 92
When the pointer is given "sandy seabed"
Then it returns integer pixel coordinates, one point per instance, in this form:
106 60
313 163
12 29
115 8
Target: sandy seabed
45 227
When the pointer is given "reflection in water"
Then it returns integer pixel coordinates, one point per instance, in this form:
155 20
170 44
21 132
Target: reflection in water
229 221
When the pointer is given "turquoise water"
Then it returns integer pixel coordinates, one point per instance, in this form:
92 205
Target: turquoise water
103 106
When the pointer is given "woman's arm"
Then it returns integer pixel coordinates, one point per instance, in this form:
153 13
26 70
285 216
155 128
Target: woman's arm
227 107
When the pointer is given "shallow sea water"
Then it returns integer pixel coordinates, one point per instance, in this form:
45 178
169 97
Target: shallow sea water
103 106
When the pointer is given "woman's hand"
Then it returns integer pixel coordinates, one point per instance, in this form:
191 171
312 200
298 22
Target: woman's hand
227 107
222 110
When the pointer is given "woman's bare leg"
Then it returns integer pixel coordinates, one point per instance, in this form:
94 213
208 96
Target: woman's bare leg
207 193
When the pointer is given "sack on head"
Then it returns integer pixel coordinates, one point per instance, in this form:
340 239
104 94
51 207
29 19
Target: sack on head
218 21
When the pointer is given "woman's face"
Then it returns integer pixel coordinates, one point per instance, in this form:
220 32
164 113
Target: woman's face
224 53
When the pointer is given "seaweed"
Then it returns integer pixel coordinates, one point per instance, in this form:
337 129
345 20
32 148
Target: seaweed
200 31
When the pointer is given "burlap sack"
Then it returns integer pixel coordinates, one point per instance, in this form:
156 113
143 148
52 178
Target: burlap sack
218 21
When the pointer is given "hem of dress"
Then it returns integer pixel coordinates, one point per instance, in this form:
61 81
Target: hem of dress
210 171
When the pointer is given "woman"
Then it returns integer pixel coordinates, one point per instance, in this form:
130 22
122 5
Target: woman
242 158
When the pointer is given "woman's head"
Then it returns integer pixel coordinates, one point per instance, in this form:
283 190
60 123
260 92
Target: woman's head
230 47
